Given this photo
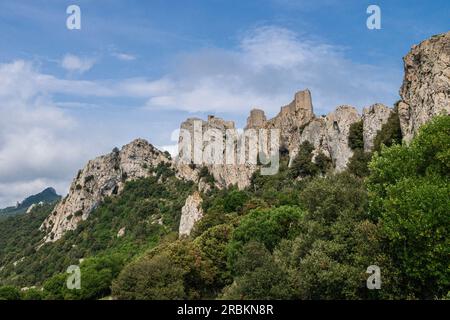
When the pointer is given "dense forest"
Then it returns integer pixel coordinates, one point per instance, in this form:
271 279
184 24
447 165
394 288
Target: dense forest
303 233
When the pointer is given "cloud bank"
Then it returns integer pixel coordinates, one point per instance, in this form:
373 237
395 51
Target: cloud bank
267 67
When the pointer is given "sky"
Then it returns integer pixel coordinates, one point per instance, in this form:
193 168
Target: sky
139 68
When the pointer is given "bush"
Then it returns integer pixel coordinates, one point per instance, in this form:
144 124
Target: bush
32 294
150 279
409 188
9 293
267 226
175 271
355 136
359 163
323 163
390 132
258 276
302 165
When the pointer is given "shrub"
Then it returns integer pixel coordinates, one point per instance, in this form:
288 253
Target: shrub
355 136
258 276
267 226
9 293
358 163
390 132
303 166
323 162
409 188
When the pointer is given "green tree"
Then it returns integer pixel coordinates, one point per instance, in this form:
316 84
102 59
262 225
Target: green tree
323 163
355 135
358 163
190 276
267 226
234 200
302 165
257 276
409 191
213 247
32 294
150 279
9 293
390 132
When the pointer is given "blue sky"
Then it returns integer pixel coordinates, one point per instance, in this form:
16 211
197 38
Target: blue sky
139 68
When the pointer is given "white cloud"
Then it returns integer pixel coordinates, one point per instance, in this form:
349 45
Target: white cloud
266 69
140 87
40 145
124 56
74 63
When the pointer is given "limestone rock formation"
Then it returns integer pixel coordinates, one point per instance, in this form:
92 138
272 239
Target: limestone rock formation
338 127
257 119
329 135
296 123
190 213
426 85
102 177
293 117
373 119
196 152
315 133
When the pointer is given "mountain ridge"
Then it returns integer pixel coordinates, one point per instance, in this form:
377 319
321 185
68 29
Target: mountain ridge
48 195
329 135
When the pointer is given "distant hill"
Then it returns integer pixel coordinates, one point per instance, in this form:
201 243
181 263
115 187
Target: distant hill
49 195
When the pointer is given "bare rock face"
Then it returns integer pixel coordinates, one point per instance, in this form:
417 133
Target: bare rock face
190 213
426 85
315 133
225 174
102 177
257 119
337 130
373 119
329 135
293 117
296 123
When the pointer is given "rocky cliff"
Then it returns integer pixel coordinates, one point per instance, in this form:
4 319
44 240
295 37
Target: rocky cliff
373 119
425 93
426 87
296 123
190 213
226 170
101 177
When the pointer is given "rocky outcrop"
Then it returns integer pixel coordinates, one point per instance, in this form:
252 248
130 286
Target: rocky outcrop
426 86
315 133
373 119
256 119
292 118
329 135
337 130
121 232
102 177
296 123
190 213
197 152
